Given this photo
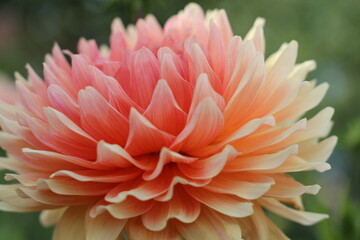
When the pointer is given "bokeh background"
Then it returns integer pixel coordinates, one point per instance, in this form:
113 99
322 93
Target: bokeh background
327 31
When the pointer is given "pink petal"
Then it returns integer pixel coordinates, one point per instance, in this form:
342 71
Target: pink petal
88 48
163 110
60 59
63 102
117 41
144 137
113 155
209 167
202 90
172 70
144 76
62 135
100 119
198 63
37 83
195 134
30 100
217 50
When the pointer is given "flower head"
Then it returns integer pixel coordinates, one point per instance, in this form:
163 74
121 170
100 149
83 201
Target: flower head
177 132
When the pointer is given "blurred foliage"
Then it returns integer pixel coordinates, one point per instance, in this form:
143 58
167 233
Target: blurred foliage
327 31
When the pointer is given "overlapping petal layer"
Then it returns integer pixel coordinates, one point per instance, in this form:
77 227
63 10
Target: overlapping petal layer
181 131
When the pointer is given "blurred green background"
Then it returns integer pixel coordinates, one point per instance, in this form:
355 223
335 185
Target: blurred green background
327 31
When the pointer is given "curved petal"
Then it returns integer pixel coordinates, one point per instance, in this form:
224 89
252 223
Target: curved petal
198 63
61 134
260 162
163 110
195 134
247 186
100 119
129 208
51 217
144 137
217 50
286 187
134 229
71 187
210 225
209 167
112 176
305 218
172 70
256 34
63 102
166 156
202 90
113 155
181 207
223 203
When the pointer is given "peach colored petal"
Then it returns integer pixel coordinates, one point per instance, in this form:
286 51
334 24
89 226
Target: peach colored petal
181 207
305 218
71 224
166 156
45 198
286 187
71 187
256 225
275 232
135 230
256 34
128 208
247 186
211 225
51 217
194 135
243 59
102 227
209 167
260 162
223 203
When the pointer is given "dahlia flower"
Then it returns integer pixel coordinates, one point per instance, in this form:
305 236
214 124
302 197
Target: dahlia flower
180 132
